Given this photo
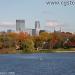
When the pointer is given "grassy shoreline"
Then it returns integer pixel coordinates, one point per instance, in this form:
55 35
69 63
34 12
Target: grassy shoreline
59 50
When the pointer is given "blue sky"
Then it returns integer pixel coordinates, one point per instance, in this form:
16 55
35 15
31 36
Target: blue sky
32 10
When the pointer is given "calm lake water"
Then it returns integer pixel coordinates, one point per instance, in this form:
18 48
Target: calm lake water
38 64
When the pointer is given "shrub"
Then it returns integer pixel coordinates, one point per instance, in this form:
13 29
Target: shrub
27 45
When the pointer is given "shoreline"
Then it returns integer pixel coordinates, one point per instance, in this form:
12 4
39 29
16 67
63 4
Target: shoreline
60 50
65 51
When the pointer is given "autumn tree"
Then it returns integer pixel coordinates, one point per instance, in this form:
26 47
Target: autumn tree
27 45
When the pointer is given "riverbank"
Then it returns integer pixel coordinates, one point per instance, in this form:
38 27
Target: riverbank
65 51
14 51
70 50
59 50
8 51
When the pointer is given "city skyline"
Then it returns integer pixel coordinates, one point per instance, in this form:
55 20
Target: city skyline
34 10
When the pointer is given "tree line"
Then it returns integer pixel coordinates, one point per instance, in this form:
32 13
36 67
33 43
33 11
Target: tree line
26 43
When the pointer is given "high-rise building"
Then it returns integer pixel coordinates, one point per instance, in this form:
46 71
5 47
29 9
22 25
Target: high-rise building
20 25
37 24
37 27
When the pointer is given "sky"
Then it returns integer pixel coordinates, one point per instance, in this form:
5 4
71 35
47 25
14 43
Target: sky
32 10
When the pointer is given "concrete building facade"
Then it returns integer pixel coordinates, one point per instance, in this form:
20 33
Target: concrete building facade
20 25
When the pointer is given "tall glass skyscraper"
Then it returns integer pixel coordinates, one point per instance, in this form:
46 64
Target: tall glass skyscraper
20 25
37 27
37 24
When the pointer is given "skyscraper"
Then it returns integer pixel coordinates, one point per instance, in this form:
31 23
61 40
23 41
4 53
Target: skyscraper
37 27
20 25
37 24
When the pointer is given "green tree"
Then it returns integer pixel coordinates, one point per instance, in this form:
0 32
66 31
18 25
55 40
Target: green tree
27 45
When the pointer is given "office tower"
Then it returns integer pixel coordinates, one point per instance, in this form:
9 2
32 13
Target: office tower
20 25
37 27
37 24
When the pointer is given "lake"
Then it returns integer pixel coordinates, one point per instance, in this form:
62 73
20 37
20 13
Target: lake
37 64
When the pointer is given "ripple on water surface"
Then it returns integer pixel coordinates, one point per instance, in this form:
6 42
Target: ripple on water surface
39 64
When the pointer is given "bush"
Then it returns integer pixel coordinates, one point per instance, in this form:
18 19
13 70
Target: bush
27 45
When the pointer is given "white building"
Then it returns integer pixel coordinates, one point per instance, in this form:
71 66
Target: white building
37 27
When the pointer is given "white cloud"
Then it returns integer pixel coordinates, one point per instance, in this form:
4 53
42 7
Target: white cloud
52 23
7 23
